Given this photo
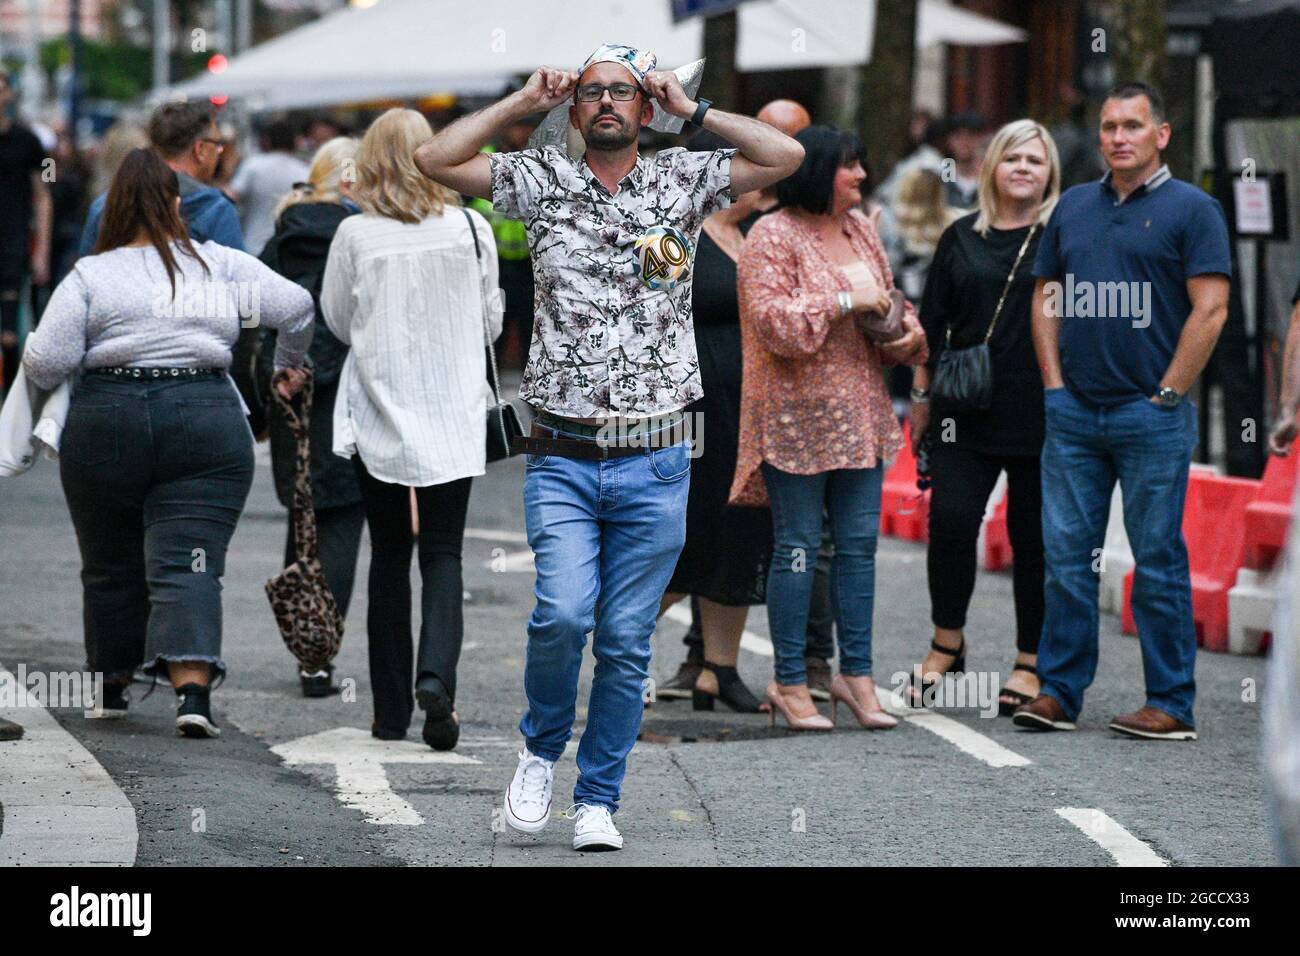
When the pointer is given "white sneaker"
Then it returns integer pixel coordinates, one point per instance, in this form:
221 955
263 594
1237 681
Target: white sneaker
528 801
593 828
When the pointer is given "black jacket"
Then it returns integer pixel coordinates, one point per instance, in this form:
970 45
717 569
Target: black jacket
298 251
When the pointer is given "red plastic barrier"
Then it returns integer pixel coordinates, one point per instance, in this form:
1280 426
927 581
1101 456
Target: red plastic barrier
1212 521
997 539
903 512
1268 516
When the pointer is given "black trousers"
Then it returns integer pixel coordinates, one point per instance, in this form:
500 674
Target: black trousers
393 669
963 481
338 539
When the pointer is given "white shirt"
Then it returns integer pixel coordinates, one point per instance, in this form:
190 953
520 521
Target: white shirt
261 181
409 300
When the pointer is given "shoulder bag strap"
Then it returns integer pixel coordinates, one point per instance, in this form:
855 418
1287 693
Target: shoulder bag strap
487 336
1010 278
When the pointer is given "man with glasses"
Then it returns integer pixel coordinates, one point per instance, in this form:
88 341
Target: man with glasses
613 353
187 136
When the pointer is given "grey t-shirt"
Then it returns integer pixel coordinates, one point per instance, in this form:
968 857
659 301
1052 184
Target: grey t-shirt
119 309
260 182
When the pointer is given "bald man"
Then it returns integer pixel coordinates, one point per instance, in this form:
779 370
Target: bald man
790 118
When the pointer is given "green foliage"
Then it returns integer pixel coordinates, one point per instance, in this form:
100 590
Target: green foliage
114 71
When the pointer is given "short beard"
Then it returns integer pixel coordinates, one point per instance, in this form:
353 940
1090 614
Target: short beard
609 140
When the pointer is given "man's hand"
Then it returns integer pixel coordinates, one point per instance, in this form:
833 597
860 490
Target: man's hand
667 90
548 88
1283 434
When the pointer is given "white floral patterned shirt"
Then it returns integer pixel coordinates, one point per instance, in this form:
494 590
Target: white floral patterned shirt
613 334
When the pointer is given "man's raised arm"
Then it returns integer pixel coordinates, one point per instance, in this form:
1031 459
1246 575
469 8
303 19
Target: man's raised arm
765 155
454 158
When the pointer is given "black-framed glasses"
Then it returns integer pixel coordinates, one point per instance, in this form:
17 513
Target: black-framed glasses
219 143
591 92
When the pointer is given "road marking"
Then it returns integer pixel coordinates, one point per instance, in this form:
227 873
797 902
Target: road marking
965 739
61 807
749 641
360 780
493 534
1107 833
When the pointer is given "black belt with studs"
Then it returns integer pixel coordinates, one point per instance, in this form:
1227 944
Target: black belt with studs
151 372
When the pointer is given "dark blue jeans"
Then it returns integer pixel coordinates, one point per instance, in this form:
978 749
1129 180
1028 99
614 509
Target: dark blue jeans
156 474
852 498
1148 449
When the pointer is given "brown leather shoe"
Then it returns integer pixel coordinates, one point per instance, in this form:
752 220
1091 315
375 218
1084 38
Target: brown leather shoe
1151 723
1042 713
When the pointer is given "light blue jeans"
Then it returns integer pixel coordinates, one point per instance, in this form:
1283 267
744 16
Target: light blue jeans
852 498
605 537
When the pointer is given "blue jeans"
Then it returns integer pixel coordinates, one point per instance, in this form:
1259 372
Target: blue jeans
1148 449
605 537
852 497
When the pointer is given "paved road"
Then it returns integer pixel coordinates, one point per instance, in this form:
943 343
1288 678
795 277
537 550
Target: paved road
953 789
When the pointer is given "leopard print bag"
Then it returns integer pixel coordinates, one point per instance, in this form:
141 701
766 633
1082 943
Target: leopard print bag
304 608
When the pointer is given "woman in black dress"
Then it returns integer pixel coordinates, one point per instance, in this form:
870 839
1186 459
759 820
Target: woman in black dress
723 565
1019 185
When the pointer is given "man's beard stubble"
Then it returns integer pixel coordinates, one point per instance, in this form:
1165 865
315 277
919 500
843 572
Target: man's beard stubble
609 138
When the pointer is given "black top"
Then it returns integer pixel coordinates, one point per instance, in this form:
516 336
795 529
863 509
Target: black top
21 154
713 285
966 279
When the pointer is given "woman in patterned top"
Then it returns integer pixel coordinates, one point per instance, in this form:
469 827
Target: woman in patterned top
816 421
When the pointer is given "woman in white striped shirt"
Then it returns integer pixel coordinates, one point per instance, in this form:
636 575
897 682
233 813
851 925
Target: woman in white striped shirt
404 288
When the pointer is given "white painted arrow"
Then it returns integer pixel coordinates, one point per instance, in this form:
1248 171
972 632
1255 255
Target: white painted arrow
359 759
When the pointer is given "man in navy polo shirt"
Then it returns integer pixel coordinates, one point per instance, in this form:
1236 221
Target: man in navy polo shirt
1132 294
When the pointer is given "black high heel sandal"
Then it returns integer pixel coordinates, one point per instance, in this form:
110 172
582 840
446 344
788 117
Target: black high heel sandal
731 691
916 698
1005 709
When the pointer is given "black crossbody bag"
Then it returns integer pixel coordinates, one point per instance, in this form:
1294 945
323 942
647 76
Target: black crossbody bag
503 424
963 379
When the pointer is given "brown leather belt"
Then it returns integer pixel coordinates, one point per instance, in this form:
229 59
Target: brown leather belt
543 442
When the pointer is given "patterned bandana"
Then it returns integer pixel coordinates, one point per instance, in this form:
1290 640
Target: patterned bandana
637 62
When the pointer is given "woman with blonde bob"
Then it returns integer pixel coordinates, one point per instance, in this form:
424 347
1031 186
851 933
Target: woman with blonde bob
979 288
406 289
306 220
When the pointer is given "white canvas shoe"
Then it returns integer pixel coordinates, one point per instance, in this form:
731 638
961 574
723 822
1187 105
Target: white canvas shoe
593 828
527 803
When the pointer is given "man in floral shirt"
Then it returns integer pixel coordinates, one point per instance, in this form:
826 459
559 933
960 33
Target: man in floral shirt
612 236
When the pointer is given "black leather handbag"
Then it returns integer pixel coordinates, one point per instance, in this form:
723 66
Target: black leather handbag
963 379
503 425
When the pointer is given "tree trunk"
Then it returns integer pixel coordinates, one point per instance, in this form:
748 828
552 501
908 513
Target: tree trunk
1136 40
719 82
884 104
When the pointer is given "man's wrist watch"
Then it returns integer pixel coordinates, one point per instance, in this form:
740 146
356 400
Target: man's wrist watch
1168 397
697 119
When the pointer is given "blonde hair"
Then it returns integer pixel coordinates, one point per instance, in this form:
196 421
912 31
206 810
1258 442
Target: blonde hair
920 209
388 182
1004 141
327 171
120 139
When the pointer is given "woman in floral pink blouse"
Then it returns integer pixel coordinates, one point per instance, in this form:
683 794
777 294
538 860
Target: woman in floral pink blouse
816 422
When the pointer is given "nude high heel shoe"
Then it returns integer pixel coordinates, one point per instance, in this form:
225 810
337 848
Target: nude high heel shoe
778 702
869 719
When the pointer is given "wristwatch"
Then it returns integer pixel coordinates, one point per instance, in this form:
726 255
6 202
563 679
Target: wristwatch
697 119
1168 397
920 396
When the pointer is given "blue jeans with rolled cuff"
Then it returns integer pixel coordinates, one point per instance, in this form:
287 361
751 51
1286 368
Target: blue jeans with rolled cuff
1148 449
605 537
155 473
851 497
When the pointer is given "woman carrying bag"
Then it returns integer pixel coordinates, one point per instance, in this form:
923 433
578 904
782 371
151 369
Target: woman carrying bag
983 384
405 288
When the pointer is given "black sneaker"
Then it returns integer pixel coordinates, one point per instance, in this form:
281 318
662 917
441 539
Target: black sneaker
193 716
319 683
112 703
441 726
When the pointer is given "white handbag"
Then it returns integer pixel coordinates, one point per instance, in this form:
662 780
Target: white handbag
31 423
